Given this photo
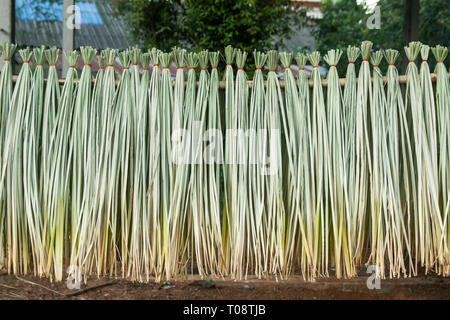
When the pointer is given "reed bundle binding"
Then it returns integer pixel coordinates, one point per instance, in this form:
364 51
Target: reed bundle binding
153 179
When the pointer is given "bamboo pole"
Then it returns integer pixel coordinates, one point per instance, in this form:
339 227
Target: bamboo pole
402 80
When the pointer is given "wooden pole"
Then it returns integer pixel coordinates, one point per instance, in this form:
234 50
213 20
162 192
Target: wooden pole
410 26
402 80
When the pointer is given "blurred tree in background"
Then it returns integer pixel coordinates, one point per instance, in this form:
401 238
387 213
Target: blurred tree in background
210 24
344 23
155 23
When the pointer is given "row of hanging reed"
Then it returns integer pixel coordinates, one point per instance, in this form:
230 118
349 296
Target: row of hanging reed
92 182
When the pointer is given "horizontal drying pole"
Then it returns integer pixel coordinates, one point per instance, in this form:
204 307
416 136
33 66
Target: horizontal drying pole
402 80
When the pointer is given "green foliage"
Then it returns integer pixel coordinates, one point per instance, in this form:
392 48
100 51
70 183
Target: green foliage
209 24
155 23
344 23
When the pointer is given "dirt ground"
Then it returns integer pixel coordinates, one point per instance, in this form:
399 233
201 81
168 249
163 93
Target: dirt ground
421 287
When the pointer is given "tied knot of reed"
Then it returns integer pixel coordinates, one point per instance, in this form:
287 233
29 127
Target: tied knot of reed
179 57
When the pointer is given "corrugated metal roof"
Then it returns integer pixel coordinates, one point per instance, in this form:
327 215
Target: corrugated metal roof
112 33
52 11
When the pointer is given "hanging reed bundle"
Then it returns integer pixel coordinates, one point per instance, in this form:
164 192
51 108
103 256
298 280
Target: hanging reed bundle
443 119
360 180
214 158
140 237
122 165
79 154
154 199
276 215
256 173
319 174
17 232
95 226
166 165
304 164
6 89
402 187
291 119
354 218
386 228
180 218
203 232
239 236
230 54
56 219
47 119
95 116
30 161
427 219
431 158
337 178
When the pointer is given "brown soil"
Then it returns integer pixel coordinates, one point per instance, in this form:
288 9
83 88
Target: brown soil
421 287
